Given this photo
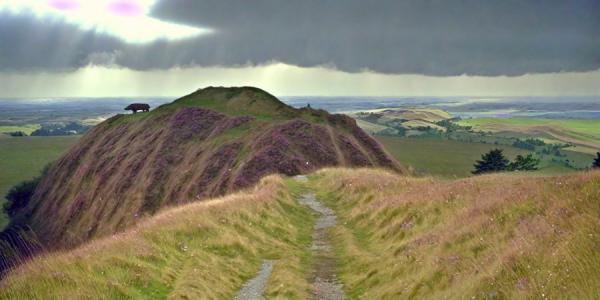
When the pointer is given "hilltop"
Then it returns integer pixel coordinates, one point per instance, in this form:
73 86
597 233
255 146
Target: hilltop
209 143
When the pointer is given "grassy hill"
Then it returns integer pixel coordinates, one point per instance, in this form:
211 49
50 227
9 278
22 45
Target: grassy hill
209 143
203 250
390 120
490 237
500 236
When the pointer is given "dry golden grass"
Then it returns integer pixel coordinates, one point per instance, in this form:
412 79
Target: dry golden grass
495 237
204 250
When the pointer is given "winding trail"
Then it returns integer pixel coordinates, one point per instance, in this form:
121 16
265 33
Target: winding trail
325 284
255 287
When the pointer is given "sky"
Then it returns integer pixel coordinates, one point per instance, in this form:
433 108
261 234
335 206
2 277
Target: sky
77 48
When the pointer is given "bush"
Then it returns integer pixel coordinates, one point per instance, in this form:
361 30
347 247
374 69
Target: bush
524 163
19 195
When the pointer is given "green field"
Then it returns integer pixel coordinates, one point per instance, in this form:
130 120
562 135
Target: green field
24 157
577 131
448 158
27 129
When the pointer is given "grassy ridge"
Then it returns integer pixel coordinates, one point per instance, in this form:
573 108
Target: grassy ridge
205 250
23 158
493 237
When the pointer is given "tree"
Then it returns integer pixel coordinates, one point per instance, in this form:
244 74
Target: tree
596 164
493 161
524 163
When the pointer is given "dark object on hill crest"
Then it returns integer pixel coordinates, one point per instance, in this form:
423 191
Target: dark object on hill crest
596 164
138 106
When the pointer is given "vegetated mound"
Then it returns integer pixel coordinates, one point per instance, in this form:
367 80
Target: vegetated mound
206 144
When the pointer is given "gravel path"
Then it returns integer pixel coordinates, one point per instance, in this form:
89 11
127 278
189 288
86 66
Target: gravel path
255 287
325 284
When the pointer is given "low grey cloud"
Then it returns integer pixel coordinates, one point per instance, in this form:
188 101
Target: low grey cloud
440 38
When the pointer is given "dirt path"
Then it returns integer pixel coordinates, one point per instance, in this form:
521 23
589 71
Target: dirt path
325 284
255 287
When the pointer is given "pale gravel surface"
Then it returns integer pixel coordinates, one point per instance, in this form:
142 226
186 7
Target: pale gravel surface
325 284
255 287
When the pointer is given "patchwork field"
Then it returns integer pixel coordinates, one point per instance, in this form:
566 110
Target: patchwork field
577 131
23 158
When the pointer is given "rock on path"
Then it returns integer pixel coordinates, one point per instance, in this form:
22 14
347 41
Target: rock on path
254 288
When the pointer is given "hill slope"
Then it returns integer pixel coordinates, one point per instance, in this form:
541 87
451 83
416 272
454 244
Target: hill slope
397 237
206 144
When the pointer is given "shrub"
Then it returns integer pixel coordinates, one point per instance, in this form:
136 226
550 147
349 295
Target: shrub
19 195
596 164
524 163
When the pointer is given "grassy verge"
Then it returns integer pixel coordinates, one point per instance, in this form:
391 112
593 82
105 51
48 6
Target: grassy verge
203 250
491 237
23 158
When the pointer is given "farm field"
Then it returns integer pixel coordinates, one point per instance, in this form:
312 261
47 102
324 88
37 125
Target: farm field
27 129
577 131
448 158
23 158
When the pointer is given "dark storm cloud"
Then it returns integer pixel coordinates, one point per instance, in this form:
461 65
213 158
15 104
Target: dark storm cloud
28 44
420 37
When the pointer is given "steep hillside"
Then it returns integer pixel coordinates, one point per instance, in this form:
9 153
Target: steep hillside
206 144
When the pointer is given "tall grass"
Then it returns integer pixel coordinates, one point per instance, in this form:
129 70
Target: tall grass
491 237
204 250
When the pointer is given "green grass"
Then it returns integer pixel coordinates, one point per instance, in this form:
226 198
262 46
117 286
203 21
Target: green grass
27 129
23 158
203 250
582 131
444 158
449 158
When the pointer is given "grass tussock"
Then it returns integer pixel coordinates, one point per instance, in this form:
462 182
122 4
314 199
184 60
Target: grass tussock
490 237
204 250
